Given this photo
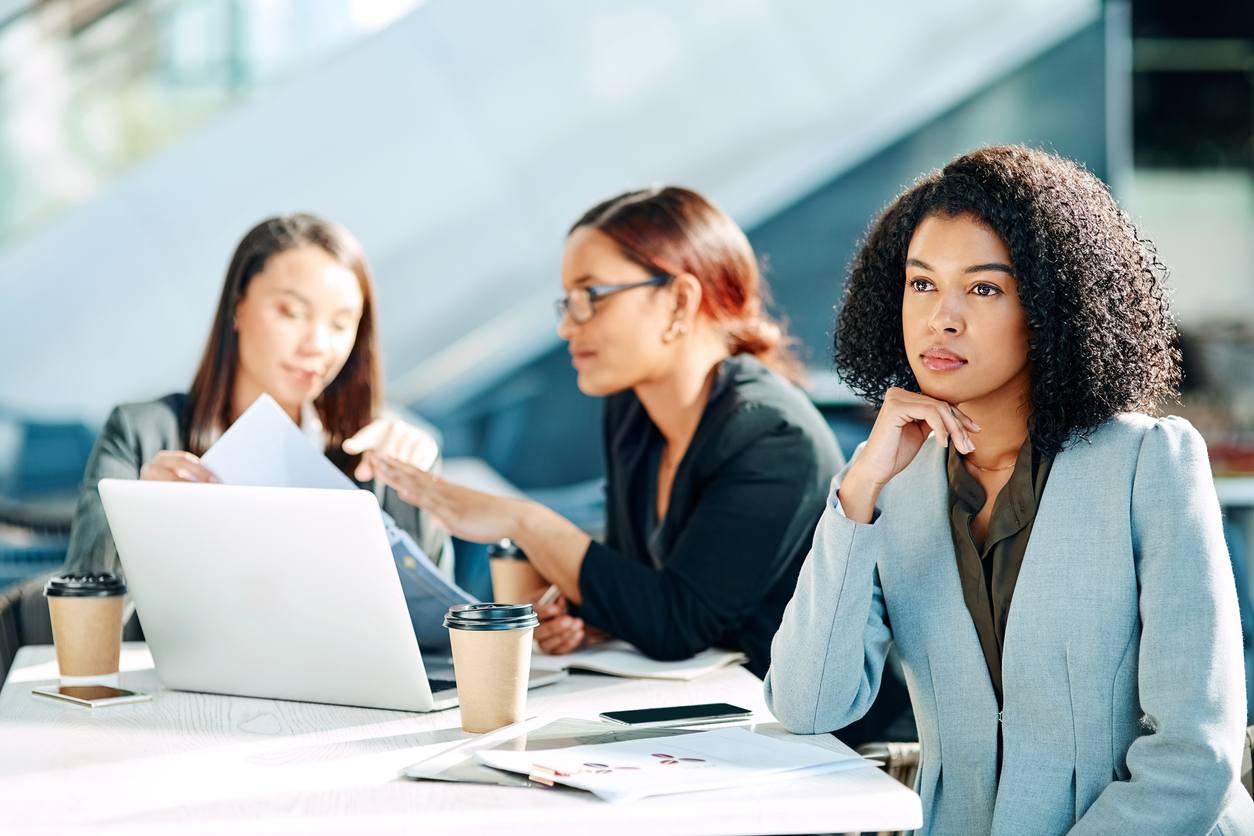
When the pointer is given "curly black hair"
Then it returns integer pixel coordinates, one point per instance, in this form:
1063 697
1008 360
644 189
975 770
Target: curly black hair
1102 336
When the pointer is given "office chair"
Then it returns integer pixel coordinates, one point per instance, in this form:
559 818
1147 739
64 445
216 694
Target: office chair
23 619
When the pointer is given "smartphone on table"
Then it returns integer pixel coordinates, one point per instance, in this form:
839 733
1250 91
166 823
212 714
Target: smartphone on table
679 715
91 696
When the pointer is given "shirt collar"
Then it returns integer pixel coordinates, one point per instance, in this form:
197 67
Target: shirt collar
1016 504
311 425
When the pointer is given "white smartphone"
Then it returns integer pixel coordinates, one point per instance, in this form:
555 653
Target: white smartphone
92 696
679 715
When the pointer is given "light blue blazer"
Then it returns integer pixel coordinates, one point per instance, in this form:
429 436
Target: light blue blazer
1124 694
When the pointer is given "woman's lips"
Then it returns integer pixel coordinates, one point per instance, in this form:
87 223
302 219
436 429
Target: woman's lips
942 360
580 358
303 375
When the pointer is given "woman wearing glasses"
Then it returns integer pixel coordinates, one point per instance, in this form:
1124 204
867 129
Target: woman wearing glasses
718 465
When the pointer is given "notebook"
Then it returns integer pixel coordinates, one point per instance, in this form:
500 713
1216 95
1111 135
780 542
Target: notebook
618 658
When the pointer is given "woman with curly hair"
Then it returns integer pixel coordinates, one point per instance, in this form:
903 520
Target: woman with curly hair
1046 557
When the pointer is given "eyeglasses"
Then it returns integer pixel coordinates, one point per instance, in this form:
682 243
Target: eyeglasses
580 303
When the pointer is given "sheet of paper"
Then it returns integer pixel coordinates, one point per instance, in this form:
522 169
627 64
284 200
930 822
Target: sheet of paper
537 734
633 769
618 658
265 448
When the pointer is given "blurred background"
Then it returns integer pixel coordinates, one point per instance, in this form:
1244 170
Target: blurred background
139 139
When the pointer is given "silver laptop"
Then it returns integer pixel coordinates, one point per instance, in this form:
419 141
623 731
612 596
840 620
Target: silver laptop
283 593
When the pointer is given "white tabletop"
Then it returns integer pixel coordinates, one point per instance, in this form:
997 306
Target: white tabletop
208 763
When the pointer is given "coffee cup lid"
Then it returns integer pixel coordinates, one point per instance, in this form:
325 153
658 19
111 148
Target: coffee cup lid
490 617
506 549
85 586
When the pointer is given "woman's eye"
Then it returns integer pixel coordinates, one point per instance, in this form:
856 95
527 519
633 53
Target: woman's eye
286 312
986 290
921 285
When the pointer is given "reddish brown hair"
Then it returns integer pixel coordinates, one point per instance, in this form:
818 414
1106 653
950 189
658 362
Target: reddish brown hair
351 400
674 230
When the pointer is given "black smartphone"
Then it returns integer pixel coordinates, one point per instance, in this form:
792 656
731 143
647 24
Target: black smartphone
679 715
92 696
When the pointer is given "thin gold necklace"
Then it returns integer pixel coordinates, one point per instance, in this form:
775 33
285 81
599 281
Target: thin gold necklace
993 469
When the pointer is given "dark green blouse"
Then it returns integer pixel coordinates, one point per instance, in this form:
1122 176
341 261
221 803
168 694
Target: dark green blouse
988 576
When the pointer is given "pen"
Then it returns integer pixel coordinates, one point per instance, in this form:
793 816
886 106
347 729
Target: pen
550 595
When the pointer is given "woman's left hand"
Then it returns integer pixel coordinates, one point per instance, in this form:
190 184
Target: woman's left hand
559 632
396 439
468 514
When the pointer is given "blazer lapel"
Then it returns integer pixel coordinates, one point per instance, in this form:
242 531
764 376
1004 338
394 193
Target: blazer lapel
924 567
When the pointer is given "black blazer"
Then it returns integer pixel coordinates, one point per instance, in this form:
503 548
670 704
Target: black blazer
743 507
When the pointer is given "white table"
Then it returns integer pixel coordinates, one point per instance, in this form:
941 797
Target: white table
193 763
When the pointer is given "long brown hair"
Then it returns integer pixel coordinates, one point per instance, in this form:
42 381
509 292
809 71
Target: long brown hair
675 230
351 400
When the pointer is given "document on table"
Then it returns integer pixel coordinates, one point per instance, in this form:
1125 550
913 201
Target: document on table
265 448
634 769
618 658
461 764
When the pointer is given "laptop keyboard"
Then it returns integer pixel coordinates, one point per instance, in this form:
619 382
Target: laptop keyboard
438 685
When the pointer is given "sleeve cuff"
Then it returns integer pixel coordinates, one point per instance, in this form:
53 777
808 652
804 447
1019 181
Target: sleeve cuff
834 501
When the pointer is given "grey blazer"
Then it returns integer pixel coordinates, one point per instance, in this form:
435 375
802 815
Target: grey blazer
136 432
1124 706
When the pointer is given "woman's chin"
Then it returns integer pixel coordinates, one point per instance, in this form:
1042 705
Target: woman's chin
292 397
597 385
949 391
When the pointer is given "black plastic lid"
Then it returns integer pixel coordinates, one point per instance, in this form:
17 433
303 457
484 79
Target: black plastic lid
490 617
85 586
505 549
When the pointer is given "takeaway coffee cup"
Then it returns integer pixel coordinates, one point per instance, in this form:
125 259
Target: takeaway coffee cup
86 612
514 579
491 662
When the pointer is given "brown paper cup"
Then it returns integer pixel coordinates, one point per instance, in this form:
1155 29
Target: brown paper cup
515 581
491 668
87 633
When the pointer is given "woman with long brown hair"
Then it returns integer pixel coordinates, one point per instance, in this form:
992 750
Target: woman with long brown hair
717 463
296 321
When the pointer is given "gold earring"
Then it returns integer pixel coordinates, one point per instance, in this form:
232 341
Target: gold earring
674 332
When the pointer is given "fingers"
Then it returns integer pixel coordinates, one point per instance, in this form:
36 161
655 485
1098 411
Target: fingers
177 466
548 612
560 635
367 437
954 428
422 490
931 416
945 420
967 421
364 471
396 440
407 480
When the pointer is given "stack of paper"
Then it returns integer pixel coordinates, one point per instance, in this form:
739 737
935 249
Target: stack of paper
618 658
634 769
